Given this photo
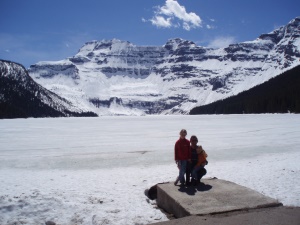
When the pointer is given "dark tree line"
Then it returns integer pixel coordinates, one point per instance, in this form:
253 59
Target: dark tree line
280 94
18 102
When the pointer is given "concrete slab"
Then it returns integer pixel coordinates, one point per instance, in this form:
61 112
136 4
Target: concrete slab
212 196
267 216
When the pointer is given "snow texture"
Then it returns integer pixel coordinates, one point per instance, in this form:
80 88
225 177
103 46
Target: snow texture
95 170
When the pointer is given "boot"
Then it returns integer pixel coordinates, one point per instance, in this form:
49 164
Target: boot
194 182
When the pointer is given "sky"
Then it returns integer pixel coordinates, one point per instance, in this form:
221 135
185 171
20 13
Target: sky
44 30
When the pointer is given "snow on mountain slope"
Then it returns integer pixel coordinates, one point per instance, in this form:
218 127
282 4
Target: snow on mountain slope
114 77
21 96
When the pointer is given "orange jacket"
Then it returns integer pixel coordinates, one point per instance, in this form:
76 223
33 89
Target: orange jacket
201 156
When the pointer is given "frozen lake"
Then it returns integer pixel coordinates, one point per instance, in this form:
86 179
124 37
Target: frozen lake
95 170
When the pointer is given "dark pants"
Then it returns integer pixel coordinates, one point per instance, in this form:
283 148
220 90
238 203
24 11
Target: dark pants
189 169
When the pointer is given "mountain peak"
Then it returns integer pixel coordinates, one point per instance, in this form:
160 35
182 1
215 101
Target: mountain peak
114 45
22 97
284 31
175 43
295 21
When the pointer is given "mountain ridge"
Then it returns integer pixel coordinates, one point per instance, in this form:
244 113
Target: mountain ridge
22 97
280 94
114 77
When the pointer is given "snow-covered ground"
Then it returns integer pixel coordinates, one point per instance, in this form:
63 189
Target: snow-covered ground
95 170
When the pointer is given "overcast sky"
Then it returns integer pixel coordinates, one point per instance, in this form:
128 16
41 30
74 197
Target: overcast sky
43 30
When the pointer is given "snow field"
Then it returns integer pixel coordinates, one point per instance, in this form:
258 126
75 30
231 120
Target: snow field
95 170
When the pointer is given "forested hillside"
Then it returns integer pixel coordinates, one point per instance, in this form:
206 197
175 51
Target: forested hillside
278 95
22 97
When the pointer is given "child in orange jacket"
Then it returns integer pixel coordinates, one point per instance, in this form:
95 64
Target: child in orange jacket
201 162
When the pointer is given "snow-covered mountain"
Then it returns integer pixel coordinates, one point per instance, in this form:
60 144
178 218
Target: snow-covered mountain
21 96
114 77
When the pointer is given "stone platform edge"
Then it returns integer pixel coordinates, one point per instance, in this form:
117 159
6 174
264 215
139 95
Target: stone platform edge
172 206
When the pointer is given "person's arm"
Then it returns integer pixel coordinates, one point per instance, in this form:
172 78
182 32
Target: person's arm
205 154
190 153
176 152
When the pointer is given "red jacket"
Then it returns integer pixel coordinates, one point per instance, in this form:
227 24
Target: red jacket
182 149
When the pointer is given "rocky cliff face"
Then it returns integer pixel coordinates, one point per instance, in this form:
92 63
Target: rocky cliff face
21 96
118 78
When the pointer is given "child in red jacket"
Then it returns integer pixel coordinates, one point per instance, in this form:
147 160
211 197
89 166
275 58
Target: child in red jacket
182 155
